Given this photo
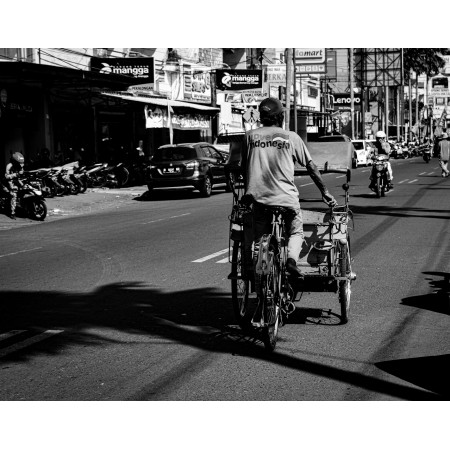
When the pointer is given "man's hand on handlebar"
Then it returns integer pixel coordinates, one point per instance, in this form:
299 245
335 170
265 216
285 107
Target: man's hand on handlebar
329 199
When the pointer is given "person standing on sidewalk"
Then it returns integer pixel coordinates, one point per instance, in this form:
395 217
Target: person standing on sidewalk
444 150
13 170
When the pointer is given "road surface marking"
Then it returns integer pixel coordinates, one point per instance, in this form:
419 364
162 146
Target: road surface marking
400 182
211 256
165 218
222 261
307 184
10 334
27 342
341 176
21 251
431 173
423 173
367 170
409 182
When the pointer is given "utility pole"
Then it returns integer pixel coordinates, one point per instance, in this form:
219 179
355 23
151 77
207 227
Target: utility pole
417 104
295 91
289 60
352 96
410 106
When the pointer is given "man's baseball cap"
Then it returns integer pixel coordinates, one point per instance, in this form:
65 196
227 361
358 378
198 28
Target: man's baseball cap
270 107
445 136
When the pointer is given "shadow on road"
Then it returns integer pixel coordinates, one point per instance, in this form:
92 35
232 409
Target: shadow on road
436 301
175 194
200 318
430 372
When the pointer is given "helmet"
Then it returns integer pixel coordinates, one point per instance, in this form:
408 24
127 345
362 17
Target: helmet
380 134
18 158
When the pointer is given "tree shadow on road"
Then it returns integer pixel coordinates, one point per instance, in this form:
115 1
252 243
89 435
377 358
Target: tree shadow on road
436 301
198 318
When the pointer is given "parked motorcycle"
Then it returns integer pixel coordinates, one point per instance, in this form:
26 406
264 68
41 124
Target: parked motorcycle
101 175
29 199
380 175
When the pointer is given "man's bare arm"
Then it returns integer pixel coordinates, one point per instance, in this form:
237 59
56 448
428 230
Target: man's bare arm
315 175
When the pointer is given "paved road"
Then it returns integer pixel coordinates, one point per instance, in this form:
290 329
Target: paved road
133 303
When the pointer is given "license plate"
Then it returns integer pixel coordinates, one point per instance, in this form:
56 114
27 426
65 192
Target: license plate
171 170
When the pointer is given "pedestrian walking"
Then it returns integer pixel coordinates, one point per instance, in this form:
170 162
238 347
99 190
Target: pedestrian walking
444 150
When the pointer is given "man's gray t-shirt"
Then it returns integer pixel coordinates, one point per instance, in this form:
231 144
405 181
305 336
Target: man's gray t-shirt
444 150
269 158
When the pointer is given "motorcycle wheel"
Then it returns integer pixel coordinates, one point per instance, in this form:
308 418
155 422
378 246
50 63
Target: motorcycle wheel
37 209
378 188
74 189
99 181
83 186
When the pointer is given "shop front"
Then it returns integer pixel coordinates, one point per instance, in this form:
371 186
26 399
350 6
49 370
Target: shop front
170 121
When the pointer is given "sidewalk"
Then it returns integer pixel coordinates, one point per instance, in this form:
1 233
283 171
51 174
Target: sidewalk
74 205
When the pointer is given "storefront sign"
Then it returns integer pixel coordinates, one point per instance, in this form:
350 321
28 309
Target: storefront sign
140 69
309 55
158 117
310 60
276 74
197 87
238 80
343 101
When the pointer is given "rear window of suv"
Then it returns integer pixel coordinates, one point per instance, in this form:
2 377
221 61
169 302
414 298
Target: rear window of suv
175 154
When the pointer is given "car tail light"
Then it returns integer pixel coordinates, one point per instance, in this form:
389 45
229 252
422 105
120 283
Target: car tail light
192 165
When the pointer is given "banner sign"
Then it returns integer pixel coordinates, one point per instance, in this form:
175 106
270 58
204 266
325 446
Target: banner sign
139 69
343 101
157 117
238 80
197 87
310 60
276 74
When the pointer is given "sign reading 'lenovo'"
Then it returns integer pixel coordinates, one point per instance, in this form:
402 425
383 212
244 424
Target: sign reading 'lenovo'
343 101
142 69
238 80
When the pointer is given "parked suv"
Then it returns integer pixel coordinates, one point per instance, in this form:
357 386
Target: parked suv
198 164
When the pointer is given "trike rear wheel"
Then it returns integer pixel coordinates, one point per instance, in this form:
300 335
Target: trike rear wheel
344 285
239 287
269 295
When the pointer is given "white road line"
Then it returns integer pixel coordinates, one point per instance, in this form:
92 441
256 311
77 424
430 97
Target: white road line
27 342
365 170
431 173
341 176
307 184
165 218
211 256
409 182
21 251
223 261
423 173
400 182
10 334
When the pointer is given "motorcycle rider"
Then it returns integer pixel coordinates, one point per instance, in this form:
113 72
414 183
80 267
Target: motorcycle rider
381 148
267 160
13 169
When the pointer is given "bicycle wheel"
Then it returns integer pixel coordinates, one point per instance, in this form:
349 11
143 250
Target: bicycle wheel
268 293
344 285
239 287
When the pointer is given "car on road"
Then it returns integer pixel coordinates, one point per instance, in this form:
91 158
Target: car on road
199 164
363 152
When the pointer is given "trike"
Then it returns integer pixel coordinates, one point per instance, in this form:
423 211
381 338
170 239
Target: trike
263 293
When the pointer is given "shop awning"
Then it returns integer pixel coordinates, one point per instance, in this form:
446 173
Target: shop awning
161 101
